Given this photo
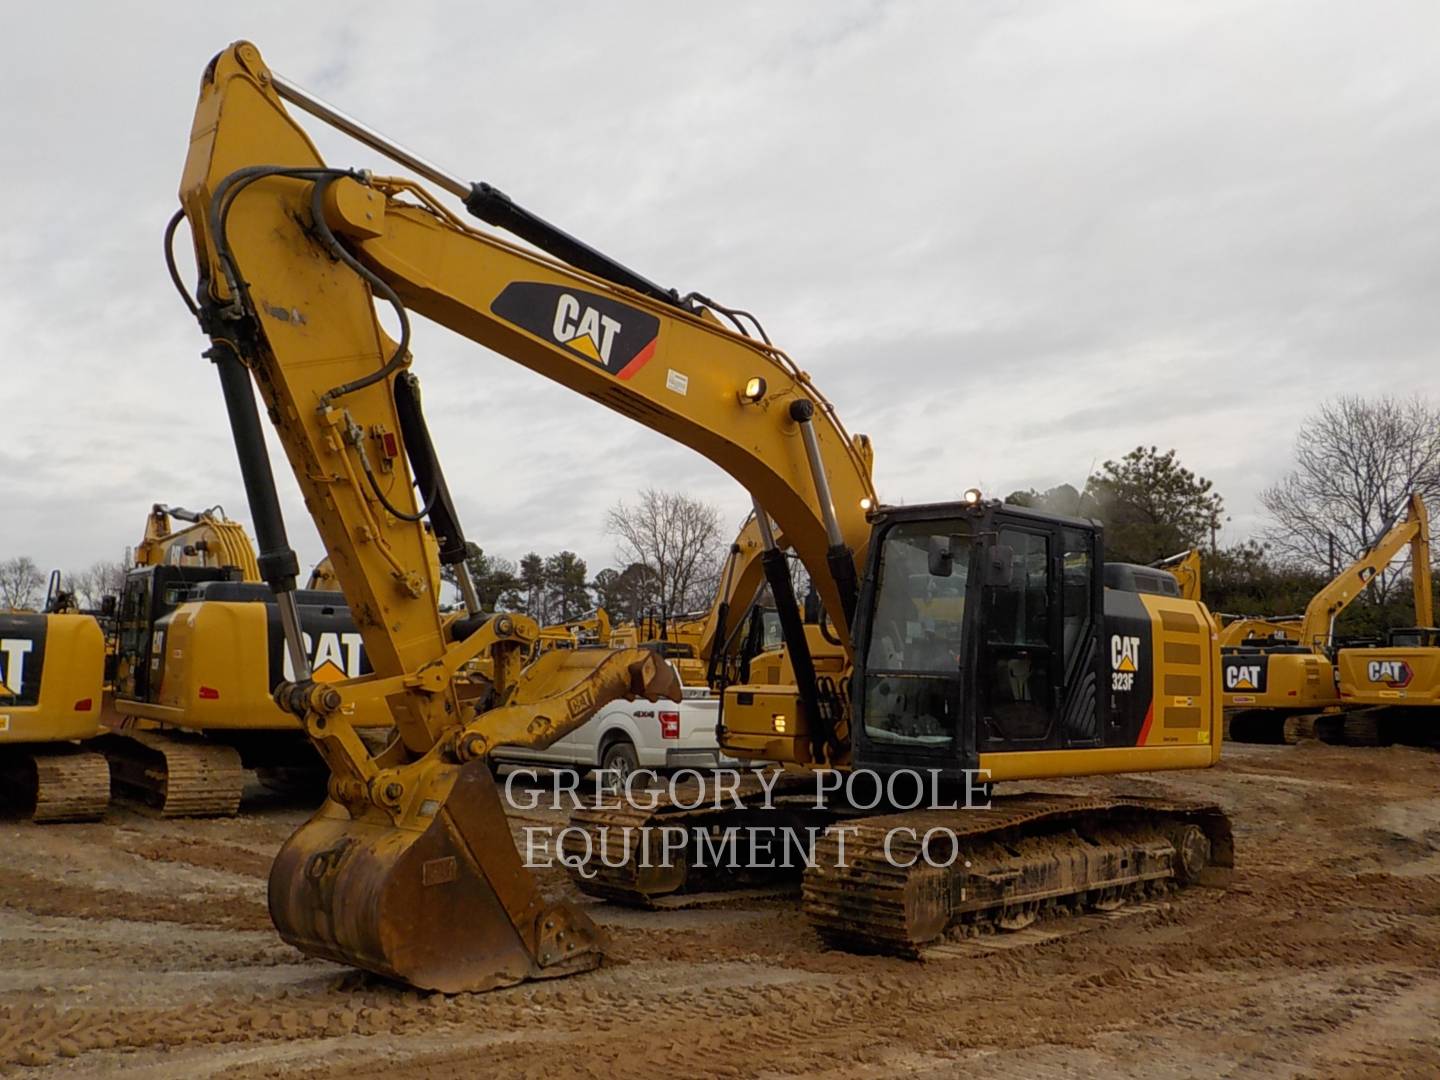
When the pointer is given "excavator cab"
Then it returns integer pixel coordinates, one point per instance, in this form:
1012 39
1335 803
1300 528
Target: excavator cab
976 630
977 633
989 636
150 594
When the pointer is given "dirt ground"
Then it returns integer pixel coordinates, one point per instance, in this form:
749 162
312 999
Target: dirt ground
140 947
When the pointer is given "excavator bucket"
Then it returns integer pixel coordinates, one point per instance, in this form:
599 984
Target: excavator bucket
437 896
448 906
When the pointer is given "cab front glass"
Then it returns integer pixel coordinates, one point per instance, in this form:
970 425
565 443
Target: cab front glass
915 649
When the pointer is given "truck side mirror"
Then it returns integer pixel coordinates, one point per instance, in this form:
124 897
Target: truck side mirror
941 557
1000 568
108 605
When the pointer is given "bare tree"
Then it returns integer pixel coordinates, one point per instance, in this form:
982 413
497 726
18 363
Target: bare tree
1356 463
103 578
21 583
677 539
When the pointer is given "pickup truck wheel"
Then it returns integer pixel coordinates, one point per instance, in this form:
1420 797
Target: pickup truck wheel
619 760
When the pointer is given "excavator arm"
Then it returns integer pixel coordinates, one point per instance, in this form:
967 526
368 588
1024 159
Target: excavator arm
1413 529
741 577
1186 569
208 538
294 256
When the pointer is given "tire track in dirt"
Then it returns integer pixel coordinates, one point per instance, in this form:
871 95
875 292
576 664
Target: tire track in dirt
25 891
1323 960
225 858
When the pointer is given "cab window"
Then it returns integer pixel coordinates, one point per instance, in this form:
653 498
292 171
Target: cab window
916 648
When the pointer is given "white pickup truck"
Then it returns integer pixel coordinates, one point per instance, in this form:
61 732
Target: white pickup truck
627 735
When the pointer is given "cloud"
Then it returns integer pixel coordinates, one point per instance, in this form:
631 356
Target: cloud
1008 240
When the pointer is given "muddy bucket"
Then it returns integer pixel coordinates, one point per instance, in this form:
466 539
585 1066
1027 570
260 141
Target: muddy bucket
446 905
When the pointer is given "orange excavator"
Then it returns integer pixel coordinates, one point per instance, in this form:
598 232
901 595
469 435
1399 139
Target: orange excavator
969 635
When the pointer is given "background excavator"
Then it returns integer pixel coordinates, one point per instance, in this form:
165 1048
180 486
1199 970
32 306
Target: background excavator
699 645
1280 674
199 655
1391 691
970 635
52 666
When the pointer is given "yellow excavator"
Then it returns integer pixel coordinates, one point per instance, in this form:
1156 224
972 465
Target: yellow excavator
1391 691
1280 674
156 752
199 654
52 667
973 636
700 645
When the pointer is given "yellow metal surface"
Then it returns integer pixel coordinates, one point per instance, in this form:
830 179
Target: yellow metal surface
1186 568
1238 631
1293 680
764 721
216 671
1389 675
1186 707
1047 764
213 541
71 686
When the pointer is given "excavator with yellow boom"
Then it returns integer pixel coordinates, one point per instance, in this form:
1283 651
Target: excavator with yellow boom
592 629
1391 692
207 540
972 636
1280 674
703 648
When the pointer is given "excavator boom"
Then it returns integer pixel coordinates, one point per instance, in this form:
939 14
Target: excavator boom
208 538
1413 530
413 843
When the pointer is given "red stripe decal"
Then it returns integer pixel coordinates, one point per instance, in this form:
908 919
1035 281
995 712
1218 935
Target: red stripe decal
641 358
1145 727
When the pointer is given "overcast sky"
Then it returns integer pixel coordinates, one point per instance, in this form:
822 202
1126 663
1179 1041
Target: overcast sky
1010 240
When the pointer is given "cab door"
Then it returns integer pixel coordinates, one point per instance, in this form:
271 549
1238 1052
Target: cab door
1039 659
1020 676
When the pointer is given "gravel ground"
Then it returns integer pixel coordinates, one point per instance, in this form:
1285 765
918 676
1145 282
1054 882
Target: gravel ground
140 947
